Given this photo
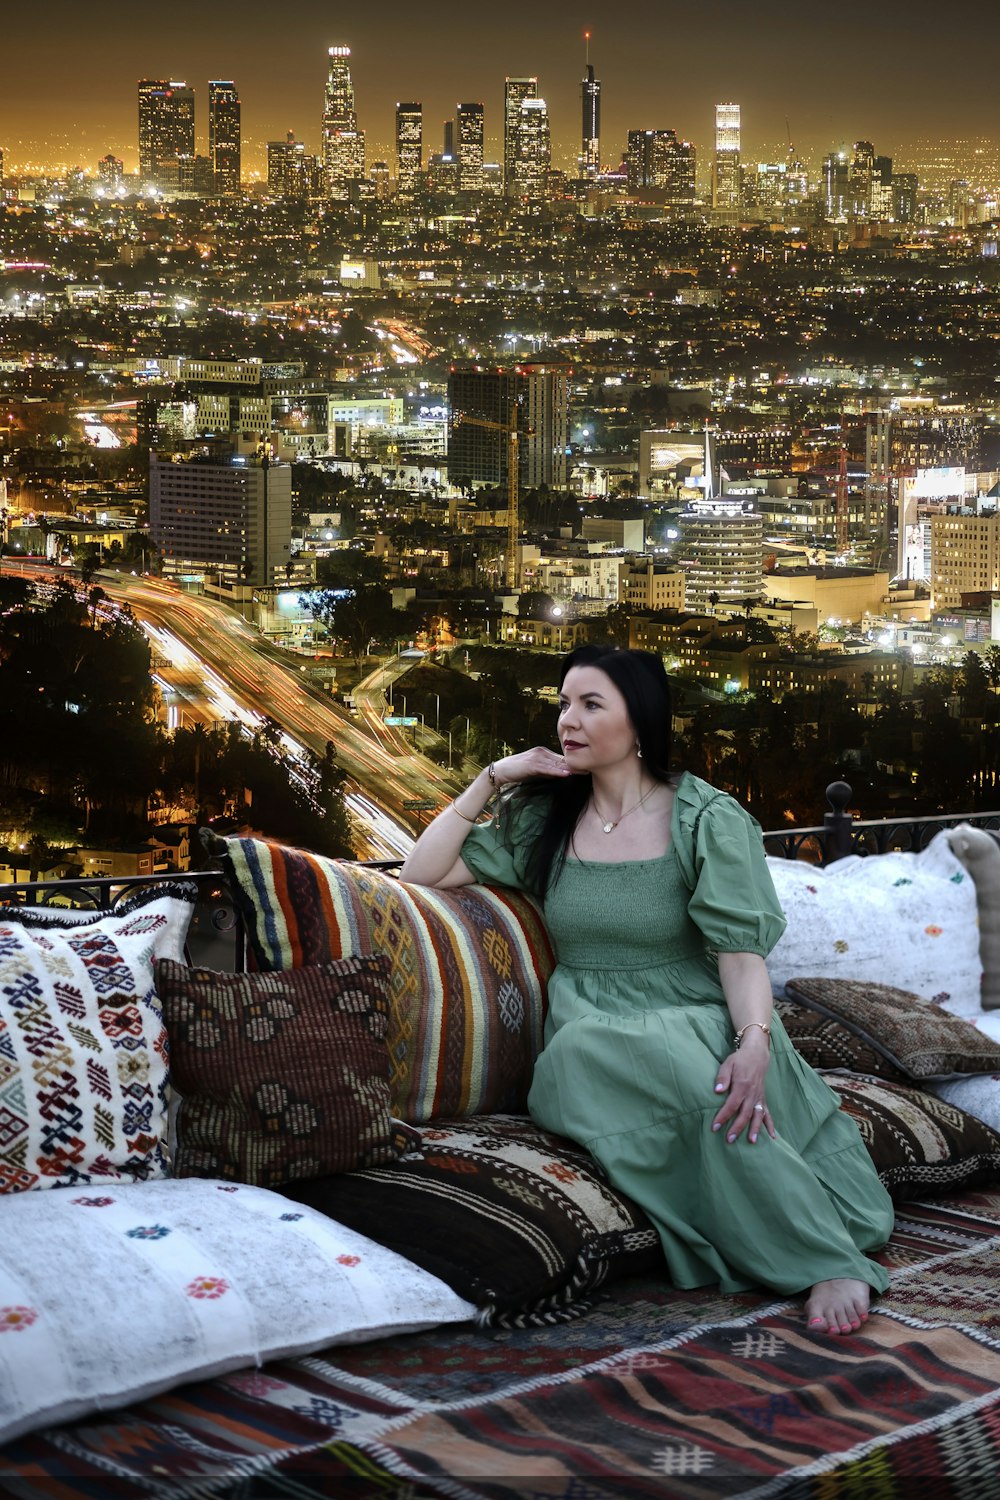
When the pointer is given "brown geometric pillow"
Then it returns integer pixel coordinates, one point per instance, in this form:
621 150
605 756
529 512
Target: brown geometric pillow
909 1032
920 1144
826 1043
282 1076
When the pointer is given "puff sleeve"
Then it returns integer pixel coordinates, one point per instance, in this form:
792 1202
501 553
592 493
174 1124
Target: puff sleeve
733 900
499 856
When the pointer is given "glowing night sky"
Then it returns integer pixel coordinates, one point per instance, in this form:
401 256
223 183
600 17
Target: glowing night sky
889 71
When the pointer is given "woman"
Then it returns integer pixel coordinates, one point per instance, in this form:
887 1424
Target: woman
661 1053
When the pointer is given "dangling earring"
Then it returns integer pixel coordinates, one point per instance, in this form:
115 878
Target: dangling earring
638 751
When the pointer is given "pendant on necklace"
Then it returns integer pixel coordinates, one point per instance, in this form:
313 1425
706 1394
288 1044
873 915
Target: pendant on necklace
610 827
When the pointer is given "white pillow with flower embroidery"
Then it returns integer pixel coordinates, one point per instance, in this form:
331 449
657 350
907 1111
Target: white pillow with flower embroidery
907 920
110 1294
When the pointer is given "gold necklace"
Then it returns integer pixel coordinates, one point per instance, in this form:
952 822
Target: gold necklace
609 825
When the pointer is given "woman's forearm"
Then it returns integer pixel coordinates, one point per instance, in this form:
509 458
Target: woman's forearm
747 988
434 856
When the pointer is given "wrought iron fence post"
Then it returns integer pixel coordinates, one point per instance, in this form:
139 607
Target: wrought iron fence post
838 824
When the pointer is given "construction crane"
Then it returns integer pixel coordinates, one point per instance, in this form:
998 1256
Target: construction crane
514 434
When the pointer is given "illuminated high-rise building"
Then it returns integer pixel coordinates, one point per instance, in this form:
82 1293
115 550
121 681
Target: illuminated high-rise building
726 165
409 145
291 171
541 392
533 153
836 184
657 159
166 130
469 145
590 139
224 135
515 91
343 142
110 171
860 180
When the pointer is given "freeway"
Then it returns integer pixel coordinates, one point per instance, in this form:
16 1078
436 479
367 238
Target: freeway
236 672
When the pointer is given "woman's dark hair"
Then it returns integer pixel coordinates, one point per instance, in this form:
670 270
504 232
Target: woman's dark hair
640 678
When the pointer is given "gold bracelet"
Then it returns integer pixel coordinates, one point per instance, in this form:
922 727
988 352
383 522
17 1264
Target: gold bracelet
738 1038
455 808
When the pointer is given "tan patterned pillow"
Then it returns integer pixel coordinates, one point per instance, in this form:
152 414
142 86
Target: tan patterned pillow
913 1035
920 1145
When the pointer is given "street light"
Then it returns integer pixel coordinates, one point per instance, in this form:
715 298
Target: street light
437 715
557 614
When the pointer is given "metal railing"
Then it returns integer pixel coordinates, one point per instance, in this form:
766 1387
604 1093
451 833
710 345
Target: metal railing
217 938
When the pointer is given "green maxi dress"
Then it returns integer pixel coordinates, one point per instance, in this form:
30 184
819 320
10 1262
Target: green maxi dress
637 1027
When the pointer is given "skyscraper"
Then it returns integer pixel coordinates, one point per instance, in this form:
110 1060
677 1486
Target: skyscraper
541 391
166 130
343 142
657 159
409 145
515 90
224 135
726 166
290 170
590 141
533 151
469 139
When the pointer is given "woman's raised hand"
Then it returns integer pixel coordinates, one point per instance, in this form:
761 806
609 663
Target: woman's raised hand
528 764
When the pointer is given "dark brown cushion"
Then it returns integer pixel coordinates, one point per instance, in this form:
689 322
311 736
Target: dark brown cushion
910 1033
282 1076
522 1223
826 1043
920 1144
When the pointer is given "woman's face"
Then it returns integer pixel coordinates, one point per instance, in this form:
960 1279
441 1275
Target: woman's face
595 731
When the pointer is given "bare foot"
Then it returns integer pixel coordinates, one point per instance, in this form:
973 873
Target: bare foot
838 1306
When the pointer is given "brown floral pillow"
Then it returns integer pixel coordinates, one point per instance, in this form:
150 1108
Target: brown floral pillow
910 1033
282 1076
827 1043
921 1145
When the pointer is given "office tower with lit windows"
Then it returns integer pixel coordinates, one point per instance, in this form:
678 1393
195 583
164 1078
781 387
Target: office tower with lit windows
657 159
110 171
166 130
224 135
726 165
343 142
515 91
860 179
291 170
448 139
533 152
540 392
904 197
409 146
836 184
229 519
590 138
470 139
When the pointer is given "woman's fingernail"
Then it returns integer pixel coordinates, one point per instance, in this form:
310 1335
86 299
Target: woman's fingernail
719 1087
752 1139
730 1139
716 1127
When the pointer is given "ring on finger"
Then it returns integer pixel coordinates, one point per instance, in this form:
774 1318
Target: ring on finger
759 1107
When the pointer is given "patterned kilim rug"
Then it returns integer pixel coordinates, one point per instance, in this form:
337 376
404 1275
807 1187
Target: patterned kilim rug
653 1394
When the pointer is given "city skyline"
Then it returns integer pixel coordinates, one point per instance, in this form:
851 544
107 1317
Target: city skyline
894 75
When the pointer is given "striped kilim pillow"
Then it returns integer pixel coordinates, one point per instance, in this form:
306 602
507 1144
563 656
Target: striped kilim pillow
468 976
